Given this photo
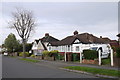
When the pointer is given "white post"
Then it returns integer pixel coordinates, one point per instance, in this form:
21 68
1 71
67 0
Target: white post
111 56
65 56
99 52
65 53
80 57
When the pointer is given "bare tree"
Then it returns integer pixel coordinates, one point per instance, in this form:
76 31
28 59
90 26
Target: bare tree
24 23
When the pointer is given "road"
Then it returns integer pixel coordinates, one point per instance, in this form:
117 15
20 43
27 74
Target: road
15 68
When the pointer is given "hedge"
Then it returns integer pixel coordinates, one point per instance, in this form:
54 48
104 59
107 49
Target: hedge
45 53
26 54
118 52
53 53
90 54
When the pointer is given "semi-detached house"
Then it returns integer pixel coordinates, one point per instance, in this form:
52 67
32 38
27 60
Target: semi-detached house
75 43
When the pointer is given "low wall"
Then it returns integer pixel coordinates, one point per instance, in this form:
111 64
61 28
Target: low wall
90 61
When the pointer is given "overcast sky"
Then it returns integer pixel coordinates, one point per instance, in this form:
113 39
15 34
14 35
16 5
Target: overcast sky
61 19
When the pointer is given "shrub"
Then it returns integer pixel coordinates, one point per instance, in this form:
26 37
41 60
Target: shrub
32 55
118 52
90 54
45 53
53 53
105 61
26 54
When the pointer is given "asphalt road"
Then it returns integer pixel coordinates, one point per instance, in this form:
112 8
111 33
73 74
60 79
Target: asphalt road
15 68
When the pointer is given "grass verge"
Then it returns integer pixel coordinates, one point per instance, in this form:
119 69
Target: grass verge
29 60
95 70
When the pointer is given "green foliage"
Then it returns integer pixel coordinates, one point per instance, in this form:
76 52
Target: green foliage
75 57
90 54
11 43
45 53
26 54
105 61
53 53
32 55
95 70
29 60
28 47
118 52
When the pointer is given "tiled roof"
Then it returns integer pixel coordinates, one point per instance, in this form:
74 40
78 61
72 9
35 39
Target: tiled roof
37 41
48 39
84 38
118 35
106 40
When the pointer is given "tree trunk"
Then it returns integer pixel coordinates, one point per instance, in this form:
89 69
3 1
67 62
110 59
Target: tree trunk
54 58
24 49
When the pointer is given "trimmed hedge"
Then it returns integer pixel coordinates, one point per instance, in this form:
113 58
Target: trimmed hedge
90 54
118 52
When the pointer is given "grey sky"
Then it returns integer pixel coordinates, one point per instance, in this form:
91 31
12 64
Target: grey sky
62 18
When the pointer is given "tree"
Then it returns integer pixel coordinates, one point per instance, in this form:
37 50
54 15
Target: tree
24 23
11 43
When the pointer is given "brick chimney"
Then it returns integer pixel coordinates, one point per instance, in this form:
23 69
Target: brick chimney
101 37
46 34
75 32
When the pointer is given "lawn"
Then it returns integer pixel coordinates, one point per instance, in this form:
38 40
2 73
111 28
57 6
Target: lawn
29 60
95 70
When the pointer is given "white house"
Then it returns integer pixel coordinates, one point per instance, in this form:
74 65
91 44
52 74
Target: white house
71 44
75 43
41 44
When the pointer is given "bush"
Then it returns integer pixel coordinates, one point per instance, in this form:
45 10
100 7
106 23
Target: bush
105 61
45 53
26 54
53 53
90 54
61 57
32 55
118 52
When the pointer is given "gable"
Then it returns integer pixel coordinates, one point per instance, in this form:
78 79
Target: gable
76 41
35 44
40 45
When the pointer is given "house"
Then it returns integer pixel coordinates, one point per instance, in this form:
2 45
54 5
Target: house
75 43
119 38
41 44
113 43
0 49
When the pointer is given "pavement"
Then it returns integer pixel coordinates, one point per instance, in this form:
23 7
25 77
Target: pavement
63 64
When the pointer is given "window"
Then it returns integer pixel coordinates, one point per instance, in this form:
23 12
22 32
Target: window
49 48
77 48
68 47
94 48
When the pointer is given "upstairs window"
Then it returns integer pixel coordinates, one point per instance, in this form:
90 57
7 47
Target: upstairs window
68 47
77 48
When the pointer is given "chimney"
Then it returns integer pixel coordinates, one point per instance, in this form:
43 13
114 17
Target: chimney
101 37
46 34
75 32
